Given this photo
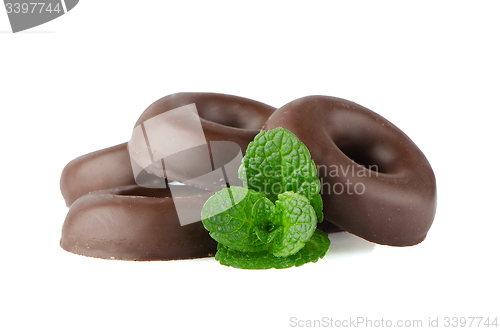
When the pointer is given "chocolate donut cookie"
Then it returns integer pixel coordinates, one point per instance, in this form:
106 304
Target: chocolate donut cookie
170 138
135 223
376 183
223 118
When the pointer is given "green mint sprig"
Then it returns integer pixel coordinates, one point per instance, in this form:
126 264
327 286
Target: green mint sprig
271 222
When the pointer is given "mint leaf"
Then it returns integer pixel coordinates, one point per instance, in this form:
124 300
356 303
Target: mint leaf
276 162
297 223
232 218
315 248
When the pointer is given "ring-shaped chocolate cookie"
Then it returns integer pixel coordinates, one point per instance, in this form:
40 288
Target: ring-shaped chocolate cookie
376 183
180 139
223 118
135 223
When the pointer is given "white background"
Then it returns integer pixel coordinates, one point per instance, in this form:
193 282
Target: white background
79 83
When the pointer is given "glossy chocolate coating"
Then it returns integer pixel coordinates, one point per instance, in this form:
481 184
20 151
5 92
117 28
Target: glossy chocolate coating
223 118
396 204
134 223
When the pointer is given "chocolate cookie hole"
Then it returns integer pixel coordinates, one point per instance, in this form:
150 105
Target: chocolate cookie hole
138 191
215 118
232 115
366 155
